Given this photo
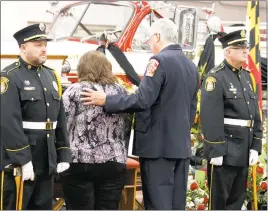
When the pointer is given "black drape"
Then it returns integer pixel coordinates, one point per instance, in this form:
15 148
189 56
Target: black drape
122 61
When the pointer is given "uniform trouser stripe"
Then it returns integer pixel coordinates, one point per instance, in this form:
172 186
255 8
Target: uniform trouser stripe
210 189
2 189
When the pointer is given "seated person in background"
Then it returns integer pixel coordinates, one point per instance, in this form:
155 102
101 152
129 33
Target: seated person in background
98 141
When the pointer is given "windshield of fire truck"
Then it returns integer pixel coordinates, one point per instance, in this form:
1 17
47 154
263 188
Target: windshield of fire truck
91 20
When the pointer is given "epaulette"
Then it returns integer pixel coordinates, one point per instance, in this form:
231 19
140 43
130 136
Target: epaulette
11 67
216 69
247 70
47 67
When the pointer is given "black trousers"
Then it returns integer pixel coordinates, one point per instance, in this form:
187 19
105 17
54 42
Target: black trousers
94 186
37 194
164 183
227 187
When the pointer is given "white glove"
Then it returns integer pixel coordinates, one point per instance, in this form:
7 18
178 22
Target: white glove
253 157
216 161
63 166
27 171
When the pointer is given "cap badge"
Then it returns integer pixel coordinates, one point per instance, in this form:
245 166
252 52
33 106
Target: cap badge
243 33
42 27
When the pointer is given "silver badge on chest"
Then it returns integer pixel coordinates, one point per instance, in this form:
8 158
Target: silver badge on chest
232 88
27 83
55 85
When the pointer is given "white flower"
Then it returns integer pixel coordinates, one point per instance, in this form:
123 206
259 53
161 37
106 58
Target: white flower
188 199
190 204
198 201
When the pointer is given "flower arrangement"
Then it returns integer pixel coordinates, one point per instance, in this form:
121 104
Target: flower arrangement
261 177
197 196
261 185
197 136
130 88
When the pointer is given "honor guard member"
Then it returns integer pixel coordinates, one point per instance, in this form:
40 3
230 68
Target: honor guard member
165 103
231 123
33 127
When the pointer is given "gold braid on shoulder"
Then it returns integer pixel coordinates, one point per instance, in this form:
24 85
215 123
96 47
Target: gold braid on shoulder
253 82
58 83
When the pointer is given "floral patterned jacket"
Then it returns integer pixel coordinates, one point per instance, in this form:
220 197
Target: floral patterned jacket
96 137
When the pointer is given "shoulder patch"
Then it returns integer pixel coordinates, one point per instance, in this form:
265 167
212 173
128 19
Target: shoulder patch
216 69
11 67
151 67
210 83
4 84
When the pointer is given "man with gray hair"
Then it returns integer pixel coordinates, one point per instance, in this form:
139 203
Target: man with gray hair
231 124
165 106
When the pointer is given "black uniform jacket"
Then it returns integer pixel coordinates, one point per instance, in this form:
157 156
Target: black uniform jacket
32 94
165 103
229 93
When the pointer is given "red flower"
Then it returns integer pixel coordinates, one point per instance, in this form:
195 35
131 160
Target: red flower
259 170
206 183
205 200
263 185
200 137
201 207
248 184
194 186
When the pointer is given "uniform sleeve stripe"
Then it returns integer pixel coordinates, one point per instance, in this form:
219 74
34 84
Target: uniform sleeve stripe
63 148
214 142
257 138
16 150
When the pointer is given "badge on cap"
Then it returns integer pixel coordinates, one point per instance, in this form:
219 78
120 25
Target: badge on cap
210 83
4 84
42 27
55 85
243 33
151 67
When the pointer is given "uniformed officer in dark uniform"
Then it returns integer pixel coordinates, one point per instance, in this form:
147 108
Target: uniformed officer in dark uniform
165 103
33 127
231 123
